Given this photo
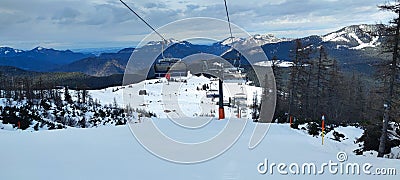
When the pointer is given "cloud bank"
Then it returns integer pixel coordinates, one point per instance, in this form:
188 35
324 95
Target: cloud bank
97 23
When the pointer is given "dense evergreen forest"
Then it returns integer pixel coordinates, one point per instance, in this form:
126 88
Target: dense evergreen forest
315 86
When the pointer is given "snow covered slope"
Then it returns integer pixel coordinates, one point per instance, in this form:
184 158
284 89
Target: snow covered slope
183 98
356 36
113 153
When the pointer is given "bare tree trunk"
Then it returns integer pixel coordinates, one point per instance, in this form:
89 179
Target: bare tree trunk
292 88
383 138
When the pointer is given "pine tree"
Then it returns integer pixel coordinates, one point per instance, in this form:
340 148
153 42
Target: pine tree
334 87
280 107
297 84
320 77
115 104
293 81
390 72
85 95
67 96
78 94
2 85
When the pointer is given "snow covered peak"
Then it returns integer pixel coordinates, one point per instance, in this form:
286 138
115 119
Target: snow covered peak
39 48
364 28
5 50
267 38
356 36
254 40
229 40
167 41
9 51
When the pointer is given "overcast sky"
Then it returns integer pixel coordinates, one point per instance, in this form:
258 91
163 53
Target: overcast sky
71 24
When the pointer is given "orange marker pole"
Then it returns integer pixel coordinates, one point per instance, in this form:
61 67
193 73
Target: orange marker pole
323 128
19 125
291 121
221 113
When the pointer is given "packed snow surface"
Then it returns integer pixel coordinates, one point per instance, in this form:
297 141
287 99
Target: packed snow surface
113 153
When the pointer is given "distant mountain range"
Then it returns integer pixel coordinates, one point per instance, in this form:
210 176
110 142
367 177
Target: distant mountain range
355 47
103 65
39 58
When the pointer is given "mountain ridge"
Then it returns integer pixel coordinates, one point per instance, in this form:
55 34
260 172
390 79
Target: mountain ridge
38 58
352 46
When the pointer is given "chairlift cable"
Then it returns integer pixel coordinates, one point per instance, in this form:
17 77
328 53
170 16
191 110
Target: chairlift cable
229 21
151 27
230 30
143 20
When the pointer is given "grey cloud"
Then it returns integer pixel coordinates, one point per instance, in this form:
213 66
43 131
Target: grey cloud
215 11
155 5
66 15
119 13
91 21
7 19
304 15
159 18
99 14
41 18
191 7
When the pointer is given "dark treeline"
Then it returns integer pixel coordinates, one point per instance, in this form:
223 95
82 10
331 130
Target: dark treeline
35 88
19 88
43 100
58 108
14 78
316 86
